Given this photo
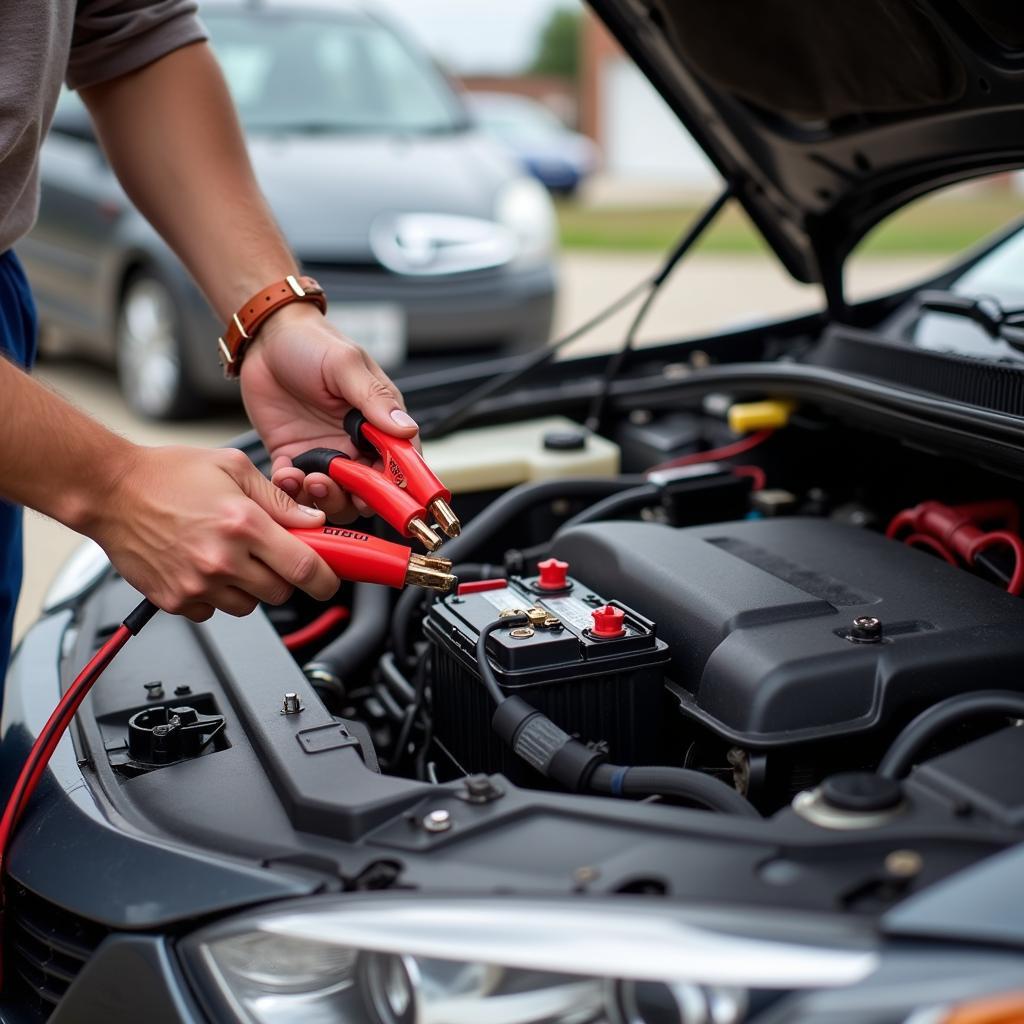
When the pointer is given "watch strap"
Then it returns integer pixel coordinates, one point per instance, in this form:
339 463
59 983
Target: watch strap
247 321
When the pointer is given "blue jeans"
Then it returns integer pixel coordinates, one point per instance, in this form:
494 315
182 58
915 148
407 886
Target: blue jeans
17 343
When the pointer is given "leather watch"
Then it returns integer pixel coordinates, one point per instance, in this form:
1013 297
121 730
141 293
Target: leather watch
248 320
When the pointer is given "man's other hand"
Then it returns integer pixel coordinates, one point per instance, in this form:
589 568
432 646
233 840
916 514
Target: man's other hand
198 530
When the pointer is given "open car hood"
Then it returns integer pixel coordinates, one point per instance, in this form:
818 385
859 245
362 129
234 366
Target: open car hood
825 117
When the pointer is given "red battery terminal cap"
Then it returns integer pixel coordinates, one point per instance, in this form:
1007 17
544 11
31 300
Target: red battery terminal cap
608 622
553 574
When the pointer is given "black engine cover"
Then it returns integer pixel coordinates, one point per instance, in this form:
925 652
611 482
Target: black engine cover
757 616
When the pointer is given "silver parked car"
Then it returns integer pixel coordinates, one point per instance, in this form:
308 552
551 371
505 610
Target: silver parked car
426 236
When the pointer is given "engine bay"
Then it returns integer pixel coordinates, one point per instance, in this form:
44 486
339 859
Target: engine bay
792 654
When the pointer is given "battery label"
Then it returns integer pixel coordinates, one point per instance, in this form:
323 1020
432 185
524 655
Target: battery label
571 610
501 599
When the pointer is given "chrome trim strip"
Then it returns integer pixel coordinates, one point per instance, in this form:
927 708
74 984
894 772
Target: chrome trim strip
596 939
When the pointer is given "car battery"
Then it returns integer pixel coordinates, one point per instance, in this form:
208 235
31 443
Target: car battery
593 666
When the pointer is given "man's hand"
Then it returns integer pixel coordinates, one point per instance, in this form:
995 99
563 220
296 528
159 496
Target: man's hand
299 379
199 530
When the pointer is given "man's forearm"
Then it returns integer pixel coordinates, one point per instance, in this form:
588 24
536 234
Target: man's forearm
54 458
173 139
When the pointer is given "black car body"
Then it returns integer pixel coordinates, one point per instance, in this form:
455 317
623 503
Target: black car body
427 238
739 637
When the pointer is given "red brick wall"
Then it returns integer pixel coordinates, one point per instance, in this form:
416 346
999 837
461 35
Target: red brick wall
598 47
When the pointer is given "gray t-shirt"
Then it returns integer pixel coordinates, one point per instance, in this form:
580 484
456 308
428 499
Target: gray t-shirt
44 42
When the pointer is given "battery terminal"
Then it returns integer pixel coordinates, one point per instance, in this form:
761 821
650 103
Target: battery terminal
541 618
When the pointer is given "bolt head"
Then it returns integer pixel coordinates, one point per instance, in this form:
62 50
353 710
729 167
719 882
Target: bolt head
478 785
866 629
438 821
904 863
291 705
478 789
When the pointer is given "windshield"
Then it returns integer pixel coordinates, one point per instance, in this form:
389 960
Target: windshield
998 275
320 73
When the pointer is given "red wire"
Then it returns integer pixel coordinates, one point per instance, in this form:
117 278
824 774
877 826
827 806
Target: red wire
46 742
756 473
728 451
317 629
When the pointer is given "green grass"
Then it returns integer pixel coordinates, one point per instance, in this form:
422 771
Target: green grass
932 226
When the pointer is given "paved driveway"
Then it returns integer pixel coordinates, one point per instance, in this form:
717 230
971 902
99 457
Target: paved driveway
707 293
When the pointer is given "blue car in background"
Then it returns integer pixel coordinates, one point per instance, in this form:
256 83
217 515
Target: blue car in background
559 158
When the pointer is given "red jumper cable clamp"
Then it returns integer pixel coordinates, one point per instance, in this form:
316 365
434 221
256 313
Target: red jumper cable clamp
397 507
363 558
953 531
405 466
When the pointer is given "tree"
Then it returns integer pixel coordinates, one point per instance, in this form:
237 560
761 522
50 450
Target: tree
558 45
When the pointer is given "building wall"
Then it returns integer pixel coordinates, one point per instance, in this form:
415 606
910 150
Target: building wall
638 134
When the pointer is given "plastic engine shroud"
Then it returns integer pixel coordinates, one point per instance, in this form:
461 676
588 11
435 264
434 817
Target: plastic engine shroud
758 614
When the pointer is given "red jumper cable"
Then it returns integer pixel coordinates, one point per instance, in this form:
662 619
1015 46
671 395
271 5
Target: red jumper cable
56 725
955 531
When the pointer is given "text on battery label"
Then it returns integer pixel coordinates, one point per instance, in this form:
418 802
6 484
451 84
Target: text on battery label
501 599
571 610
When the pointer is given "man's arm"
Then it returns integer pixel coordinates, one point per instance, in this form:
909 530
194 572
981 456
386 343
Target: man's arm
193 530
172 136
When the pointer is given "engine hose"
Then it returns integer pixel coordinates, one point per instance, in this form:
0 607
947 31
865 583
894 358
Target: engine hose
614 505
498 516
395 681
683 783
362 639
899 758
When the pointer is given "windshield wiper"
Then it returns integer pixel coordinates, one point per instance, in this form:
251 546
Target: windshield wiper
987 312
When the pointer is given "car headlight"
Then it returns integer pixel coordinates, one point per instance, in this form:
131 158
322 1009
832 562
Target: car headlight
525 208
383 960
77 576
